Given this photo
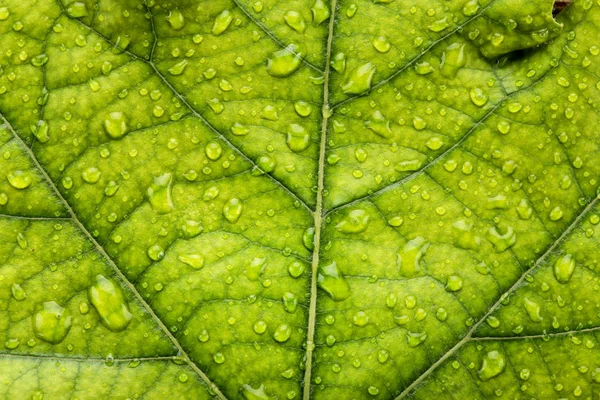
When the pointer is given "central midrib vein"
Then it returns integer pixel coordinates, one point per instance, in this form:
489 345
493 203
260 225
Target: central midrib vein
318 213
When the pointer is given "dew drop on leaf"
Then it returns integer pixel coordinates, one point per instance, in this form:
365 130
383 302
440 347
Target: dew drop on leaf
52 322
108 299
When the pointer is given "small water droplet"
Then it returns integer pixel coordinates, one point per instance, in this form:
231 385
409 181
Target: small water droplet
282 333
478 96
382 44
409 257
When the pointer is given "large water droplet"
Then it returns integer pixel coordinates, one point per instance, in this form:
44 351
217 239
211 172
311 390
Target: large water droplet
91 175
564 268
382 44
116 125
159 193
533 310
176 20
295 21
298 139
255 268
439 25
282 333
453 59
284 62
178 68
18 292
360 79
222 22
502 240
409 258
109 301
232 210
478 96
379 124
414 339
19 179
290 302
320 12
249 393
493 364
52 323
333 282
195 261
77 9
213 150
355 222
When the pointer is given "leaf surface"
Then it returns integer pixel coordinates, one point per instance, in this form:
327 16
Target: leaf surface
303 199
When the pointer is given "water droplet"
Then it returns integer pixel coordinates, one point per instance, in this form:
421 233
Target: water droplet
19 179
338 62
453 59
533 310
12 343
290 302
295 21
284 62
39 60
296 269
91 175
396 221
564 268
219 358
178 68
116 125
52 323
524 209
298 139
159 193
302 108
419 123
414 339
4 13
503 127
210 193
250 393
360 79
454 284
478 97
176 20
259 327
269 113
439 25
360 319
409 258
382 44
502 240
77 9
215 105
333 282
18 292
255 268
232 210
493 364
195 261
423 68
108 299
355 222
213 150
222 22
282 333
156 252
266 163
556 214
320 12
379 124
408 165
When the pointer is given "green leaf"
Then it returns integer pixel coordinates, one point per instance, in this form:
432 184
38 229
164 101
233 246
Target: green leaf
350 199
